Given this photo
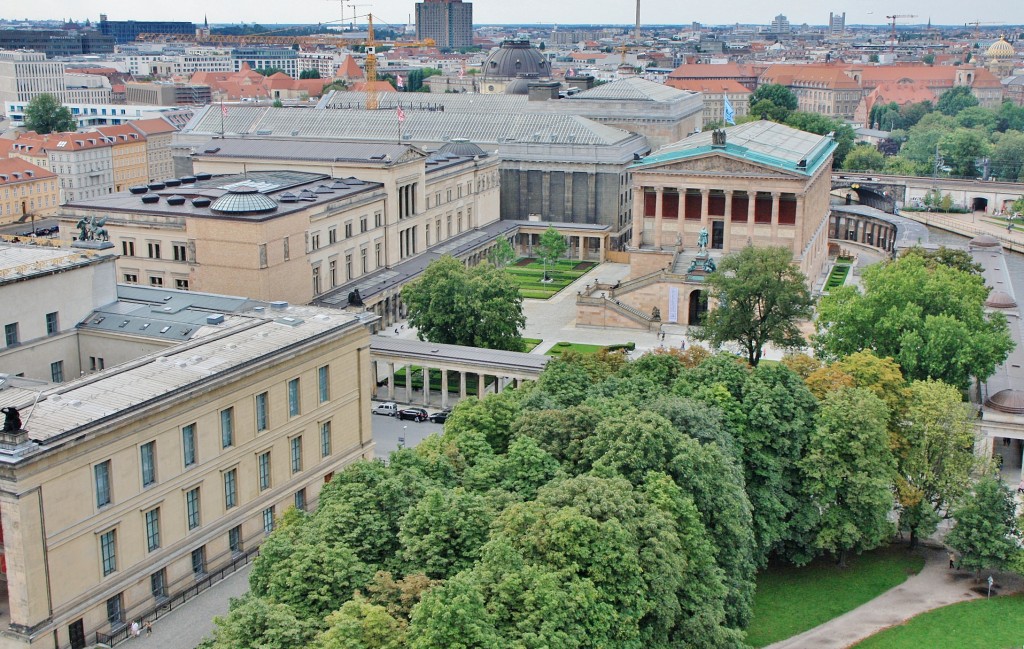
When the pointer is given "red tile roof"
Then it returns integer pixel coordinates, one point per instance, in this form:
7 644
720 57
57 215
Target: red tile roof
154 126
16 170
709 86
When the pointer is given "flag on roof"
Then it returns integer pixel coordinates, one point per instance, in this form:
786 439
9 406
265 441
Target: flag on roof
400 81
462 72
729 113
223 109
401 115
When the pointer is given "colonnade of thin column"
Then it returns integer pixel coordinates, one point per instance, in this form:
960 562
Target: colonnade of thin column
500 383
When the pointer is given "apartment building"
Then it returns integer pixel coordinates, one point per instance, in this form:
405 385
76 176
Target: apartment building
130 483
158 133
167 94
129 163
449 23
83 162
26 189
823 89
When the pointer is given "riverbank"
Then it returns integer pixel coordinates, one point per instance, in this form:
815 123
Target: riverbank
971 225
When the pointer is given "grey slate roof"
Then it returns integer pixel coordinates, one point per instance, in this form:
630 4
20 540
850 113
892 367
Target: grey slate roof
631 88
285 148
496 358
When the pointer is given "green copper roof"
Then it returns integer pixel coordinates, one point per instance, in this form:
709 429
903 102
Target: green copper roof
762 142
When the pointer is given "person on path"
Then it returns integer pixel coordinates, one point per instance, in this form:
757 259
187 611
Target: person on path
952 560
149 628
136 629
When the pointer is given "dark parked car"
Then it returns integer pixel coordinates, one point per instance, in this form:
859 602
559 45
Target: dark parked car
440 417
416 414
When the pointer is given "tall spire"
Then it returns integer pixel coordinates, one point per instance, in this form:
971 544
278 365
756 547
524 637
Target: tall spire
206 23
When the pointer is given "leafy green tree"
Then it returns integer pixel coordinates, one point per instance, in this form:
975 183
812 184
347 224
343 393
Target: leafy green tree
478 306
951 257
934 454
1008 156
760 298
257 622
766 109
864 157
552 245
987 533
822 125
930 320
955 100
928 59
359 624
502 254
776 93
977 117
398 597
268 71
1010 117
454 615
962 148
44 114
309 74
848 473
923 138
443 533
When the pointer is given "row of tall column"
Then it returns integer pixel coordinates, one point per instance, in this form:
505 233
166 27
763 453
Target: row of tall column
658 237
496 386
863 230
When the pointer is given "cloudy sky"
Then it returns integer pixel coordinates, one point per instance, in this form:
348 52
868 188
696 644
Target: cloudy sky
949 12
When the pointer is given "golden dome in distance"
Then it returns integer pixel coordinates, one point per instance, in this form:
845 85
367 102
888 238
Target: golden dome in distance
1000 50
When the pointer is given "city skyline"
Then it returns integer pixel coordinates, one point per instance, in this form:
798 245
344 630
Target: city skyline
400 12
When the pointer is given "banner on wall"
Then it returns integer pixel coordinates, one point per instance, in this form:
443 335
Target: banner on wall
673 304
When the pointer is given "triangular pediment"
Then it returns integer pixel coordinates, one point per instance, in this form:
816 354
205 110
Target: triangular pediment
717 163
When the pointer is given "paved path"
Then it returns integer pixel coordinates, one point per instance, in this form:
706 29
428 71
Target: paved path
936 585
186 626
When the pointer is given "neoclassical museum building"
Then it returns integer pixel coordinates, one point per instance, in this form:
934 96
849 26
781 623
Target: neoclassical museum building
756 184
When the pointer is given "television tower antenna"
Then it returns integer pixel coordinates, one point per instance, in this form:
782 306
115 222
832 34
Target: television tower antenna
636 32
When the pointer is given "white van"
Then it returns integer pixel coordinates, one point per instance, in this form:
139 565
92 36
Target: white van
389 408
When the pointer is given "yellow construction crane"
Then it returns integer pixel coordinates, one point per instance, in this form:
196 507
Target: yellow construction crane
370 65
892 22
978 23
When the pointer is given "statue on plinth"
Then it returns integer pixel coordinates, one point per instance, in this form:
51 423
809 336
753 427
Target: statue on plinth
655 314
702 242
12 420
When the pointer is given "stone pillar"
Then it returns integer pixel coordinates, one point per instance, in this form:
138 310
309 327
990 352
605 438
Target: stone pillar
704 194
681 209
391 381
444 388
480 386
659 197
462 385
408 384
426 385
775 214
600 254
373 370
568 195
728 205
751 205
727 222
583 248
638 217
801 223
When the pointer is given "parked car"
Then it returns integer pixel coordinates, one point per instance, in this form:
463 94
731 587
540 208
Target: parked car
388 408
416 414
440 417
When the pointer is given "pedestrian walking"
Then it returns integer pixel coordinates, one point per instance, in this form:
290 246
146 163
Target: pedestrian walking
952 560
136 629
149 628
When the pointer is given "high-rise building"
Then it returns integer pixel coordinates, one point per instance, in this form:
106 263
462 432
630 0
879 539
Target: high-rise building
836 23
24 75
448 22
780 25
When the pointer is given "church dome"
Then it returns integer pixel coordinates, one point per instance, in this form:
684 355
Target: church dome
514 59
1000 50
518 86
461 146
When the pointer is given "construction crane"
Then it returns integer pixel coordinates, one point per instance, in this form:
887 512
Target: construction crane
370 65
977 24
263 38
892 22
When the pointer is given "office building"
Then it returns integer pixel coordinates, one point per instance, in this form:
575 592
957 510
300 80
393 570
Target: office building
56 42
449 23
836 23
780 25
167 94
126 31
25 75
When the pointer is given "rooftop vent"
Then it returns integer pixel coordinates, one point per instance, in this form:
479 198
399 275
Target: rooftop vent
279 305
172 182
175 200
214 149
201 201
138 189
155 186
151 198
215 319
287 197
203 176
187 180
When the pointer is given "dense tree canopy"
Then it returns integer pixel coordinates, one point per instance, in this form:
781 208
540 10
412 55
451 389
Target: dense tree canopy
44 114
478 306
929 318
987 534
761 296
776 93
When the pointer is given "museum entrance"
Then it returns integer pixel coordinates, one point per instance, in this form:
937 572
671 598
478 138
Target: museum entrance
698 307
717 235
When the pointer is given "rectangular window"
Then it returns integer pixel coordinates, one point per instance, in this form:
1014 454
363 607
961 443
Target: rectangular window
333 265
188 444
11 334
300 499
332 235
115 610
108 550
348 230
192 507
52 325
128 248
268 520
324 380
156 281
378 219
325 439
263 462
101 472
147 457
235 539
181 284
227 427
230 488
153 529
179 251
131 278
57 371
377 254
263 255
363 224
362 257
154 250
293 398
158 584
261 411
199 561
296 445
315 241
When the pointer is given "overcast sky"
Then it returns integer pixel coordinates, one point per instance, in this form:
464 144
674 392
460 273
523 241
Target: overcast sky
948 12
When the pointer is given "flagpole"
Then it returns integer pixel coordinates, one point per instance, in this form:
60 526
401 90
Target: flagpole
222 116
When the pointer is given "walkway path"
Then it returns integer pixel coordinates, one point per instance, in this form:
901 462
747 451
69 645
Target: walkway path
935 586
972 225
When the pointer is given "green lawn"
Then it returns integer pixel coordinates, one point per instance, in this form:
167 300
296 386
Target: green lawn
579 348
528 275
531 343
838 276
996 623
792 600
